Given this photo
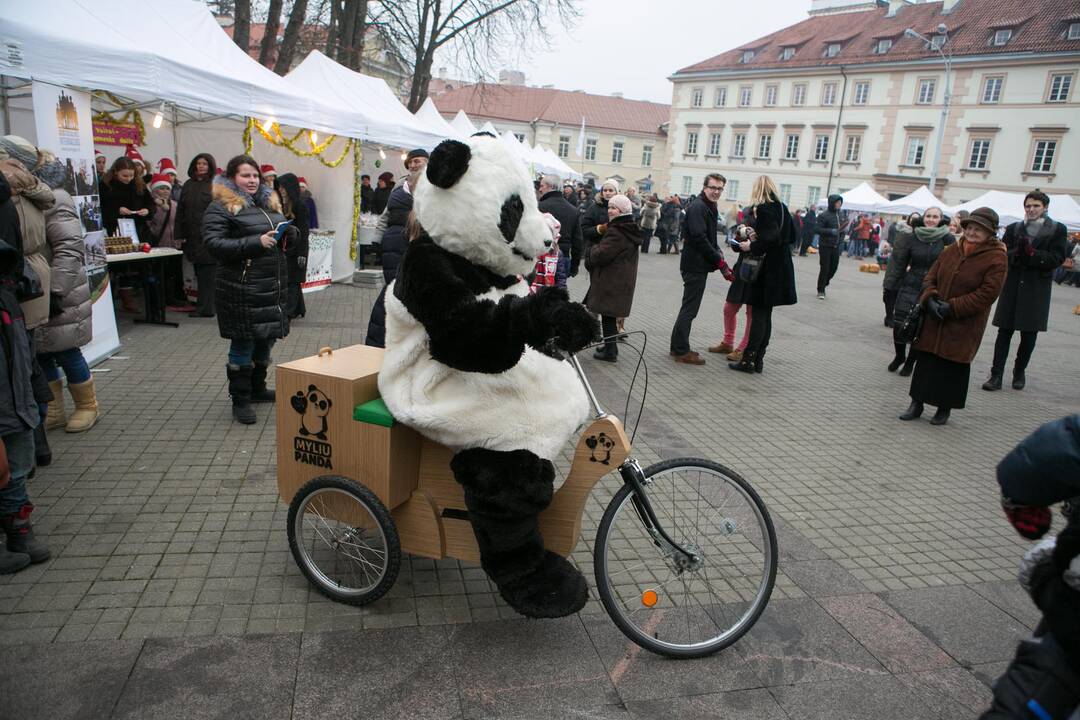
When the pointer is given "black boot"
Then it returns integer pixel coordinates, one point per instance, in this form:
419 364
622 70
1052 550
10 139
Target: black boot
505 493
42 452
20 535
240 392
759 365
940 417
1019 379
901 355
909 365
994 381
259 392
914 410
747 363
12 562
608 353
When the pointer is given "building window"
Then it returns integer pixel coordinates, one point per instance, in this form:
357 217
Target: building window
764 147
1043 159
787 53
616 152
862 92
791 147
828 93
646 156
747 56
564 146
798 94
883 46
832 50
937 42
1074 31
697 97
720 98
732 189
738 145
821 147
916 150
771 91
853 148
1001 37
687 184
992 88
714 143
691 143
520 137
813 194
590 149
980 154
785 194
1060 84
746 94
927 87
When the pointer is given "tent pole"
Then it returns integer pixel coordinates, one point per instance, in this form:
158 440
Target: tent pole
175 140
4 100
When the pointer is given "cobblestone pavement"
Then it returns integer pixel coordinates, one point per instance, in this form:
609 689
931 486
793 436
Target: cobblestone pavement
171 592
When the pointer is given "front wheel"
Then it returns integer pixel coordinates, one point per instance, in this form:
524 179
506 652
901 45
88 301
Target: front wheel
670 604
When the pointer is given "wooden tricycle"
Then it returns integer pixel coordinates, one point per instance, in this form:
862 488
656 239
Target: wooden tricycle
685 555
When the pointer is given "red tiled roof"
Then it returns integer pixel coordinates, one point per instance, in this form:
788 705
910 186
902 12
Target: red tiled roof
1040 26
519 103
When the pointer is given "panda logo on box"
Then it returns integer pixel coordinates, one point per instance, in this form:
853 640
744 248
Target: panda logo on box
464 362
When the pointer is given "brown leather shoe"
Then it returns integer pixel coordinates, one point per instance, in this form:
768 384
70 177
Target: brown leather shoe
721 349
690 358
735 356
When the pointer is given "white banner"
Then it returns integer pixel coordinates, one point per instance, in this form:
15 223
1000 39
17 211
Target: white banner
320 262
62 119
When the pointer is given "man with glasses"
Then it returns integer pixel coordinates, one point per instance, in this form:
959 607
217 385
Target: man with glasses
700 256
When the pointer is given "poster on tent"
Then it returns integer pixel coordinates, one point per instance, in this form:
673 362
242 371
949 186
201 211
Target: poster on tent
62 120
320 263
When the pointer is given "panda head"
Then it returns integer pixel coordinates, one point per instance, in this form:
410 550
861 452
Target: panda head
476 200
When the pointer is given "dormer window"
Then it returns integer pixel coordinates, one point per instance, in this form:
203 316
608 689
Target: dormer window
883 46
832 50
747 56
938 41
1001 37
787 53
1074 31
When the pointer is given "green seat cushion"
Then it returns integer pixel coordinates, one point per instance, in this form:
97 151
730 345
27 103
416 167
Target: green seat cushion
374 412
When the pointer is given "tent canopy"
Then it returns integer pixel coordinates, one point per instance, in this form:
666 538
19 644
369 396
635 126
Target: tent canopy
489 128
862 198
429 116
463 124
917 201
1010 207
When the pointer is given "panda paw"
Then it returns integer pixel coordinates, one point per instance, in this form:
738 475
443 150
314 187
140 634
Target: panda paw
575 328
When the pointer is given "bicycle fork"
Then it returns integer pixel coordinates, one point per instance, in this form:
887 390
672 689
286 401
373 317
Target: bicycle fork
633 476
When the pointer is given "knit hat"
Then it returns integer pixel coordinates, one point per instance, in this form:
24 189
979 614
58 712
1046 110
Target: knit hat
612 183
50 171
268 170
303 182
984 217
553 225
418 152
132 154
165 165
19 148
621 203
160 180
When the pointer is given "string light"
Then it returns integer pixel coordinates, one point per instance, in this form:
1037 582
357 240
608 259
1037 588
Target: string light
382 154
404 156
268 123
159 116
314 136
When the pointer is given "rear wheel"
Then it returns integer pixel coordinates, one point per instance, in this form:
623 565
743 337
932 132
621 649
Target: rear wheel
344 540
678 606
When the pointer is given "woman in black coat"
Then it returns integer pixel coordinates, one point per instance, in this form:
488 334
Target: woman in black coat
773 231
594 222
612 264
195 197
914 253
296 255
124 195
239 230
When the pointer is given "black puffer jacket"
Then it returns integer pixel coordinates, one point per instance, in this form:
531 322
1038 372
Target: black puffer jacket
595 215
913 254
251 280
395 239
828 224
195 197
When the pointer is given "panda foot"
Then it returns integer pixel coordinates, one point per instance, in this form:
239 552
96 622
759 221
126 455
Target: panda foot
554 589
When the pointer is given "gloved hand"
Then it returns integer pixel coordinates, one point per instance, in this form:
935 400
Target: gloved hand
1030 521
601 228
725 270
938 308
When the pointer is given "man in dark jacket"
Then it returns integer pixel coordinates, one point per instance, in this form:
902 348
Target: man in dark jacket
570 195
395 240
552 201
1037 246
700 256
829 237
367 193
809 229
195 197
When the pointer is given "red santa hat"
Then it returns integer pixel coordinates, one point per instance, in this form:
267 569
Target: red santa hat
165 165
160 180
98 153
268 170
132 154
303 182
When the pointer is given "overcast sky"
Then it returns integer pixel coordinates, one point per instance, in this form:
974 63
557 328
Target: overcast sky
631 46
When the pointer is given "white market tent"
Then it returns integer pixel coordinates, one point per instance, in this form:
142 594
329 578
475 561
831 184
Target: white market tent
560 167
429 115
538 159
463 124
489 128
862 198
917 201
1010 207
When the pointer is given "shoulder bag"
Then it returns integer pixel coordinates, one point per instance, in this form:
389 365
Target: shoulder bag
907 331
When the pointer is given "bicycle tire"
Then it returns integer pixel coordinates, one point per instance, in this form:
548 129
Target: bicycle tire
617 611
366 499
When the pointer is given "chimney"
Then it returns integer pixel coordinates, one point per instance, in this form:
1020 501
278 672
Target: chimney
895 5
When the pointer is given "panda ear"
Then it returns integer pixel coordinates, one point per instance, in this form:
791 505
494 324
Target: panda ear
448 162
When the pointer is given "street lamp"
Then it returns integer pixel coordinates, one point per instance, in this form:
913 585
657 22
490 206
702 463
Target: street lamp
947 58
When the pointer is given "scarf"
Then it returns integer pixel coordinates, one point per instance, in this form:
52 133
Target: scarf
931 234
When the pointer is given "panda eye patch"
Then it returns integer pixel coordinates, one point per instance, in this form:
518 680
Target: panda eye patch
510 217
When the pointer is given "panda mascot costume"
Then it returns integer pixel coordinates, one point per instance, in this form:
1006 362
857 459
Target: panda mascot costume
468 361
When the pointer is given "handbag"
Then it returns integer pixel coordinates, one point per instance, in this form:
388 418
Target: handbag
907 330
750 268
28 286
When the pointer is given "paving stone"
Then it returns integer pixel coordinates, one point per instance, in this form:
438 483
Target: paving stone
738 705
1012 598
881 698
950 693
821 578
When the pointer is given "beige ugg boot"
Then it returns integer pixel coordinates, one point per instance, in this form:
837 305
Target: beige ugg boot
56 417
86 407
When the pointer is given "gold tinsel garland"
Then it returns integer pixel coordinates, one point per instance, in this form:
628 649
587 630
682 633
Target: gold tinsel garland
275 138
131 116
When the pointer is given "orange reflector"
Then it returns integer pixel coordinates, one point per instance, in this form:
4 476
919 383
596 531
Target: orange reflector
649 598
